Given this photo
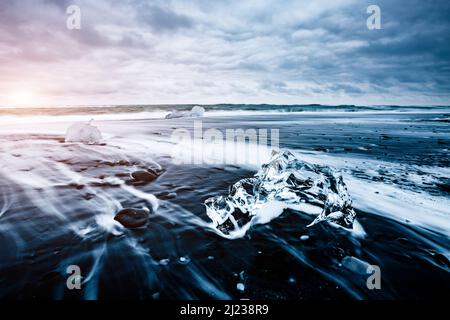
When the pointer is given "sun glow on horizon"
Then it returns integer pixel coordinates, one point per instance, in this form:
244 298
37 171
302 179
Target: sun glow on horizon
22 97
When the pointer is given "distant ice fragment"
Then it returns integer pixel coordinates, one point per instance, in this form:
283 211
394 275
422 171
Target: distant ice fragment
176 114
184 260
83 132
284 183
164 262
156 296
355 265
195 112
240 287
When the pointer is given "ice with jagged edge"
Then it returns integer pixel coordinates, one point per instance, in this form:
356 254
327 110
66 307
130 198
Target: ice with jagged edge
285 182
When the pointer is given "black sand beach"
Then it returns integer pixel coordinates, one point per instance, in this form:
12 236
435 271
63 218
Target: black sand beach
58 201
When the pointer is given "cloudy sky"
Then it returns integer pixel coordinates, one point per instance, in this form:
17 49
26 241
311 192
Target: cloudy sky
245 51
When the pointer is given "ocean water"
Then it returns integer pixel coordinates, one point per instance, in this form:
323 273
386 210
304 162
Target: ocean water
58 201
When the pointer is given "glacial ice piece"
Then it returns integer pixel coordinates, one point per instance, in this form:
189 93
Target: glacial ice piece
176 114
83 132
284 183
196 111
355 265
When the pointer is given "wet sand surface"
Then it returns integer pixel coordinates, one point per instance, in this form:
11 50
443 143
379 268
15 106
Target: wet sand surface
58 201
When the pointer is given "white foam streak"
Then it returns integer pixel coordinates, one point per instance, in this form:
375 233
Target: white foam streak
421 209
142 195
418 207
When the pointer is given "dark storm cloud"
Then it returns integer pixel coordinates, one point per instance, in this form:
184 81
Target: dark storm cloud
162 18
138 51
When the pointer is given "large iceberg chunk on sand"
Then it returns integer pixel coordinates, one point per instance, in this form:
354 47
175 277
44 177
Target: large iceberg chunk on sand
284 183
83 132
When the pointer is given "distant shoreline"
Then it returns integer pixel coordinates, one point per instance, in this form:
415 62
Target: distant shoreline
95 110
